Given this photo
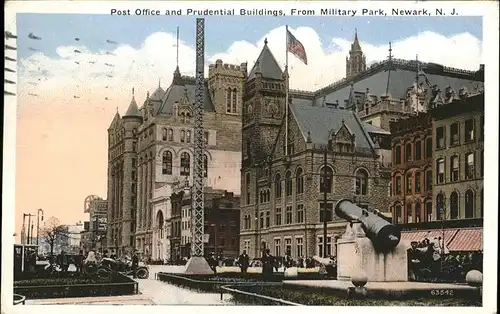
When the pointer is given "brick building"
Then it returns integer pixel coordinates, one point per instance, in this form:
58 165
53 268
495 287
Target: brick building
282 156
152 145
412 164
221 222
458 130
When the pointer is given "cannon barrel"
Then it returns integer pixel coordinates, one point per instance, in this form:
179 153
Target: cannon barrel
384 235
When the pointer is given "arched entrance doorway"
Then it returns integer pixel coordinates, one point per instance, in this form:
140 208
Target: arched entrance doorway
158 235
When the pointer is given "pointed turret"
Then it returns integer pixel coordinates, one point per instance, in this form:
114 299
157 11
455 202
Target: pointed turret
355 46
267 65
133 109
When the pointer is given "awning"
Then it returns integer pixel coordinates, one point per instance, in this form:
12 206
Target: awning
420 235
467 239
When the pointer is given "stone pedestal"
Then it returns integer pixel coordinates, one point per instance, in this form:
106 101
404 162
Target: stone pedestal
356 254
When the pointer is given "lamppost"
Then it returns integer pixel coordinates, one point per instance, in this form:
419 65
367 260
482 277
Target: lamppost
30 227
38 223
326 180
258 245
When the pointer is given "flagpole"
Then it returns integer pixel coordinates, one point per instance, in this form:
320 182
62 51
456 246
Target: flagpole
286 91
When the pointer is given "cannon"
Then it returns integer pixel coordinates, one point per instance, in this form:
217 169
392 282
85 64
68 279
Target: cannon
384 235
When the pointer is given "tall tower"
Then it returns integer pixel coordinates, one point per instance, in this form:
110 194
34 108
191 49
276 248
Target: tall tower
264 108
226 84
131 122
356 61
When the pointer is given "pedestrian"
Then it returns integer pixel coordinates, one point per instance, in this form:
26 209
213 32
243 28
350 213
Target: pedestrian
63 261
79 262
135 264
243 261
267 264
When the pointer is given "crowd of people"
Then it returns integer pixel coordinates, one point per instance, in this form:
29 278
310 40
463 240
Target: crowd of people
430 260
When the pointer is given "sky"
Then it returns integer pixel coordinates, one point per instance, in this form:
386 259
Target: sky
67 99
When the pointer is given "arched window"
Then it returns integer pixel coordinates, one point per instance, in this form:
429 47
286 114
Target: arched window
277 186
166 163
188 117
188 136
428 211
470 166
409 214
164 134
170 135
440 206
428 180
397 155
325 182
229 99
288 183
408 152
185 164
454 168
469 204
361 182
234 101
454 205
159 223
409 183
418 182
183 117
397 215
205 166
183 136
299 181
417 212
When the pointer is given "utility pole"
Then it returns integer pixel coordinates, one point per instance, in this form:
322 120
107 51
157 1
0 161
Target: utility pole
325 199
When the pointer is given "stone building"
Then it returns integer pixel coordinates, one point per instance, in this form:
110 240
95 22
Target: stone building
282 156
412 164
390 89
221 222
458 130
152 146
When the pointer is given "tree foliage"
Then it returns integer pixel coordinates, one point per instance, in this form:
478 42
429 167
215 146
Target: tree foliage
53 233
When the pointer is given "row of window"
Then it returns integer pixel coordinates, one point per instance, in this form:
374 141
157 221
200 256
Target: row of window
184 164
454 136
184 136
413 151
413 182
454 167
287 246
285 218
451 210
325 184
419 216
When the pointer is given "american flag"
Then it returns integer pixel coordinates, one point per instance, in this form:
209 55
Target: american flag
296 47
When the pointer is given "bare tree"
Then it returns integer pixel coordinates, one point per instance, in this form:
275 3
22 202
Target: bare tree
53 233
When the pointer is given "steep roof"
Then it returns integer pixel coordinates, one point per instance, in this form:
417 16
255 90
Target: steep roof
319 122
178 90
115 120
402 76
355 46
157 94
267 64
133 109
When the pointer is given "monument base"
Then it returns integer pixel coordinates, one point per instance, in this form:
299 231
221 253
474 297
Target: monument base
198 265
356 256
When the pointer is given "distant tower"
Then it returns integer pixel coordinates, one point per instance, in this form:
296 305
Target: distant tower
356 61
226 84
131 122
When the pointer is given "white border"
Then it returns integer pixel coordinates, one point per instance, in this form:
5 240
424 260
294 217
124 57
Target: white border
489 10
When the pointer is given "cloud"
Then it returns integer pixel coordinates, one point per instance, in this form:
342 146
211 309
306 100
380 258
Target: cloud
62 142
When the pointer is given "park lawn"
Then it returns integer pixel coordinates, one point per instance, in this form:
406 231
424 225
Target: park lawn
311 298
65 281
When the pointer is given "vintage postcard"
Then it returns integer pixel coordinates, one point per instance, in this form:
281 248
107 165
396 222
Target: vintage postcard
250 153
